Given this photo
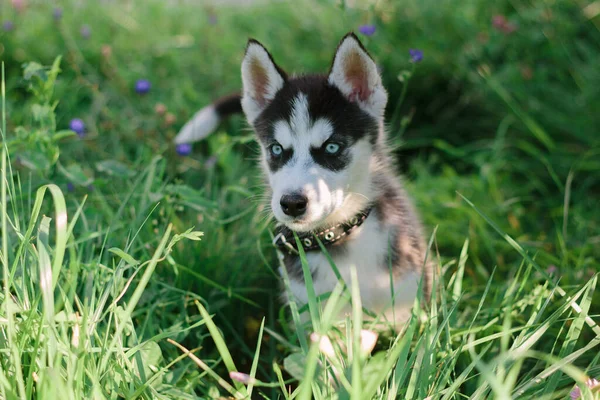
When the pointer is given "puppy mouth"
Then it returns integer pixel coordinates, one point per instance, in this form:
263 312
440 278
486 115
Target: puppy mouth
312 219
303 224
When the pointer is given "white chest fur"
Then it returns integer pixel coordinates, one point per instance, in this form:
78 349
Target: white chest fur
366 251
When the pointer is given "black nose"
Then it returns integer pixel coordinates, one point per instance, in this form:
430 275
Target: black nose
293 205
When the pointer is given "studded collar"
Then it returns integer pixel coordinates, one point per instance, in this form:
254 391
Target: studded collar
284 238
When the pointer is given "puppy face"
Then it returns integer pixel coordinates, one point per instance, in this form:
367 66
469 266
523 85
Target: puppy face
317 133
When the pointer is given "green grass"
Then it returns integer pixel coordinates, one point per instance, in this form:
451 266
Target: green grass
124 297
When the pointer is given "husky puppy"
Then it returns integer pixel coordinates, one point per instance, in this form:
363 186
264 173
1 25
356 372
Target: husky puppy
325 156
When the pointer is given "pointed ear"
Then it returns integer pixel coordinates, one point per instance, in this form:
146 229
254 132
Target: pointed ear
261 78
355 74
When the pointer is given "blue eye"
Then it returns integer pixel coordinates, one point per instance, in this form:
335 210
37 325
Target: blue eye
276 150
332 148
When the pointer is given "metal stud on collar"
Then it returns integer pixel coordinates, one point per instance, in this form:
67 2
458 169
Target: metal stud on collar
354 220
329 236
307 242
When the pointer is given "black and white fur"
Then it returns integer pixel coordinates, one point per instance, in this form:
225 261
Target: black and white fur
323 141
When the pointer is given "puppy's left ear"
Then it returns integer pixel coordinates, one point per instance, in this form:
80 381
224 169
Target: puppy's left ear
261 78
355 74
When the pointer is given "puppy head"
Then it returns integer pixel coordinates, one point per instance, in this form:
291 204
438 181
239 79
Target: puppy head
317 133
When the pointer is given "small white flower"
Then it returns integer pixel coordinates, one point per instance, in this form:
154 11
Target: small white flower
368 339
75 337
241 377
325 344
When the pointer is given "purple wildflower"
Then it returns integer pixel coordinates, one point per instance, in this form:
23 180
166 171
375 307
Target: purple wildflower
8 26
183 149
367 30
77 126
57 13
591 383
552 269
212 19
142 86
70 187
415 55
85 31
91 187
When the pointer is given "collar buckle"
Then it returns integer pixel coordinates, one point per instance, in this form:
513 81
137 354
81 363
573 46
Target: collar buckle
280 240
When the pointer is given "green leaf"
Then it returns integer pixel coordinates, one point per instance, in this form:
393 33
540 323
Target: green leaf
32 69
124 256
41 111
294 365
221 345
63 134
75 174
114 168
124 321
35 160
190 195
256 358
310 289
148 360
189 234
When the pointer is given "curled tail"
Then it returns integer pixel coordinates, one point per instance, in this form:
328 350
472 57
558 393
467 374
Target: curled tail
205 121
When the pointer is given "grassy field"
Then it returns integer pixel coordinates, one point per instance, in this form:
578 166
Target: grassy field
130 271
